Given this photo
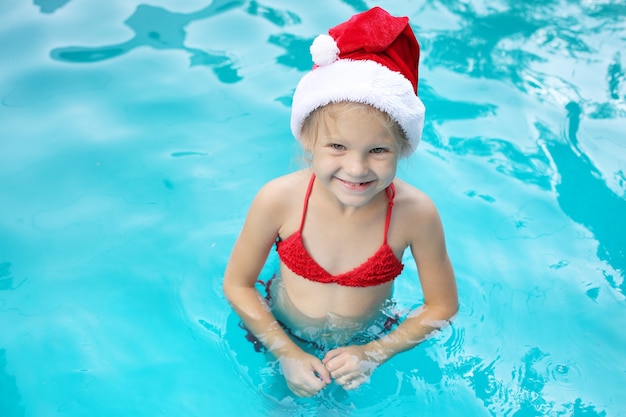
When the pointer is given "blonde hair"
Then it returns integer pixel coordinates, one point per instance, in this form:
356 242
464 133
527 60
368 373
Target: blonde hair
313 121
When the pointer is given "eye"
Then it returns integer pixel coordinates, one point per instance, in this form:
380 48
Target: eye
379 150
337 146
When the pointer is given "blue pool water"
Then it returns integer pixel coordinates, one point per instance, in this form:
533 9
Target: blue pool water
133 137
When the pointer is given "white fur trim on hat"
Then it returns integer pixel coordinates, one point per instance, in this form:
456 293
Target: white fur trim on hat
361 81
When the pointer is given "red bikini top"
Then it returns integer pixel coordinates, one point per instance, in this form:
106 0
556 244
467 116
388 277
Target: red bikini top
380 268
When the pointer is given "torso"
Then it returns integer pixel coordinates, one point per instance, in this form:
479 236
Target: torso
337 246
379 268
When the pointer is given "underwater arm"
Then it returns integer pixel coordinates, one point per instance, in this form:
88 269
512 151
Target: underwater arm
305 374
351 365
438 285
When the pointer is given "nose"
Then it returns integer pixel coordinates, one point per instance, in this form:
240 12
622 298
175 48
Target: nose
356 165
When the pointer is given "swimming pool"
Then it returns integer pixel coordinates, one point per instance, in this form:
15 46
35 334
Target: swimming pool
133 137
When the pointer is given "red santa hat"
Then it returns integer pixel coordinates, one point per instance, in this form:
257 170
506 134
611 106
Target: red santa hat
372 59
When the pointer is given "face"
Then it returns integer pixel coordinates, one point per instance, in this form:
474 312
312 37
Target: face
354 155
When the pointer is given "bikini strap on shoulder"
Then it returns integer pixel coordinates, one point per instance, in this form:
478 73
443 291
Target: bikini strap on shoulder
306 201
391 194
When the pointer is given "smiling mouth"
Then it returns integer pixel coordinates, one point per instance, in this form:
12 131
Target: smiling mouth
355 184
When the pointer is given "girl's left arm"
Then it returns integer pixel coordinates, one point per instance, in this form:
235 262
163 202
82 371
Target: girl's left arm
438 283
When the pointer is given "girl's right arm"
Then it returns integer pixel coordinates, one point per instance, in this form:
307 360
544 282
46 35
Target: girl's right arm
305 374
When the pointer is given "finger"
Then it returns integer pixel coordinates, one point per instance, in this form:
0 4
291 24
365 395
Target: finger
336 363
321 373
316 380
314 385
344 376
340 366
331 354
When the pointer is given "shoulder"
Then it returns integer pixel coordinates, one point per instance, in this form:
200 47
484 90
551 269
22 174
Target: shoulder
277 198
280 191
416 213
413 202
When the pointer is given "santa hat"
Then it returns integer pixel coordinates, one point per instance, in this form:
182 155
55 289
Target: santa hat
372 59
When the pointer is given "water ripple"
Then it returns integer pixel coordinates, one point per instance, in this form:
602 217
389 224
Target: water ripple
455 343
50 6
160 29
566 374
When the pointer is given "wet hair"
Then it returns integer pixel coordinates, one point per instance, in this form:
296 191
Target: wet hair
312 123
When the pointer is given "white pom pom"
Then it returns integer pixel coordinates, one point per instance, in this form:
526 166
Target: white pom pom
324 50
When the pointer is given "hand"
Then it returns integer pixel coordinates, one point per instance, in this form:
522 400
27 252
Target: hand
350 366
305 374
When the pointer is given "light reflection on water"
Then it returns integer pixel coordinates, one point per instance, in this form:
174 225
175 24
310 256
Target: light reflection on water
127 165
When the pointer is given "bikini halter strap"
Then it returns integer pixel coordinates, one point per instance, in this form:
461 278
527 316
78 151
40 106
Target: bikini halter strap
391 193
306 201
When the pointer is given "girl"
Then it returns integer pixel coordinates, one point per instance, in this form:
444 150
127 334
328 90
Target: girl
341 225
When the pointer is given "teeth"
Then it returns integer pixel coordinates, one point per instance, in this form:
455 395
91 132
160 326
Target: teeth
356 184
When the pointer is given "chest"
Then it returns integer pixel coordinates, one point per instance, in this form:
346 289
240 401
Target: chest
338 244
